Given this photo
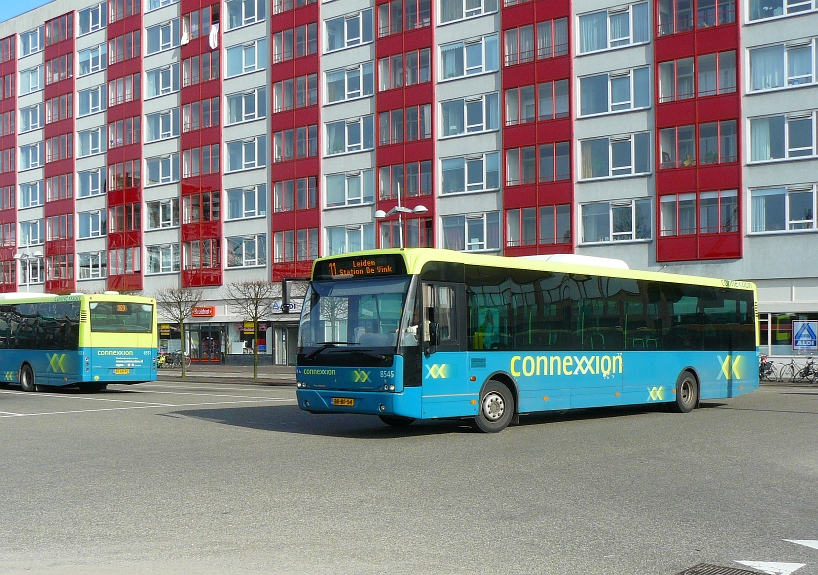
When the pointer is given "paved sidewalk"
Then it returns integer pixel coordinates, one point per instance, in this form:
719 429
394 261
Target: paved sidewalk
214 372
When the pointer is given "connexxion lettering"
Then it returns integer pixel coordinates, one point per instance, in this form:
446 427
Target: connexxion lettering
319 372
114 352
534 365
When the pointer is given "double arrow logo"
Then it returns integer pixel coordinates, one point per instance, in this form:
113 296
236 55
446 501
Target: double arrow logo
436 371
657 393
360 376
57 363
9 376
728 365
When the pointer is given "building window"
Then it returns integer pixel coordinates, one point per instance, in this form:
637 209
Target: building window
162 125
91 142
718 142
476 173
417 233
32 233
31 118
247 251
350 189
162 170
59 108
280 6
472 232
124 47
247 58
779 209
470 115
247 154
299 92
243 203
552 38
678 214
163 259
60 267
59 187
156 4
31 80
92 60
298 194
203 114
519 45
615 92
301 142
469 57
614 28
59 148
452 10
521 105
552 100
202 254
616 221
352 135
555 162
91 224
201 68
676 80
350 83
32 41
349 30
406 69
59 29
163 36
782 137
125 218
60 68
296 42
779 65
124 132
677 146
676 16
352 238
119 9
200 23
615 156
396 126
92 265
200 161
124 175
396 16
555 224
59 227
128 88
761 9
521 227
31 156
90 183
163 213
718 213
125 260
31 194
162 81
521 166
202 207
244 12
717 73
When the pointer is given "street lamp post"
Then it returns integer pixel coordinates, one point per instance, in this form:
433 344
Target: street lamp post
400 210
24 258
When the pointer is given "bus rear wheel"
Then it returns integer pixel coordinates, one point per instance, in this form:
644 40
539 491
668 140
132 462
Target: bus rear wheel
687 393
396 420
27 378
496 408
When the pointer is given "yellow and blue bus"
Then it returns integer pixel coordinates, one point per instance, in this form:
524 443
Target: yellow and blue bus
425 334
86 340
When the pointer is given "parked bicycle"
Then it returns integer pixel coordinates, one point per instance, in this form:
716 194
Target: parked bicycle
809 372
176 359
788 371
766 369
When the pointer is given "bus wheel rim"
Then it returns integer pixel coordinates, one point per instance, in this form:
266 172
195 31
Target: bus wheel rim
494 406
686 391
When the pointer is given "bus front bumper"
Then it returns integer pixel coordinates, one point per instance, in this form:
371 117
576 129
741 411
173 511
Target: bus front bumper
405 403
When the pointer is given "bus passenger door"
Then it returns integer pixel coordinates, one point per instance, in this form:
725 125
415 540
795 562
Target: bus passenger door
444 344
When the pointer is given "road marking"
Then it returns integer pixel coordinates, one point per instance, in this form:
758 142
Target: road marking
807 542
773 568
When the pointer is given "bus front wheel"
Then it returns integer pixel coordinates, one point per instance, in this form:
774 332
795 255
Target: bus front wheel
496 408
687 393
27 378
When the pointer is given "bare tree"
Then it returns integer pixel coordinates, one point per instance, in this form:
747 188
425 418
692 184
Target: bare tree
177 305
252 300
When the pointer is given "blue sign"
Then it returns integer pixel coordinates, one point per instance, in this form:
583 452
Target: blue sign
804 335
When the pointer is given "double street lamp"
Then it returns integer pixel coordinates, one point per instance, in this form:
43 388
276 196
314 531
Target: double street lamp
25 259
400 210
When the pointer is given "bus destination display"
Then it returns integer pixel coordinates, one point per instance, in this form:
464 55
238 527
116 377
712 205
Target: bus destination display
363 266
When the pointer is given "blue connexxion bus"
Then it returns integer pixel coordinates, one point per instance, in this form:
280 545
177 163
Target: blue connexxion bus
86 340
409 334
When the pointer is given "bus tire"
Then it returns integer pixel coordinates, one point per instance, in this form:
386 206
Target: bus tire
687 393
396 420
27 378
496 408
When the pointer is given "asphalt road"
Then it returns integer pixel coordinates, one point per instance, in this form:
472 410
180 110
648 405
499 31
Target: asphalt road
218 478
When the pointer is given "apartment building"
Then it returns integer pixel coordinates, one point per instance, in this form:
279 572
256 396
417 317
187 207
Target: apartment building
190 143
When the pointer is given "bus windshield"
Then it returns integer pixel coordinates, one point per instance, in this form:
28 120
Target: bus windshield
112 316
364 313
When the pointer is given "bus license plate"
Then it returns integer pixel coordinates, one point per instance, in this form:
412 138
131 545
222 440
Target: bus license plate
122 371
344 401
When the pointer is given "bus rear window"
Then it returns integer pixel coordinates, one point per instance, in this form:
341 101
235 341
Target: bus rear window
121 317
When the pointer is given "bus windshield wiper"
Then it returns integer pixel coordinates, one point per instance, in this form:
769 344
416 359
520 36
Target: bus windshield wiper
371 353
325 345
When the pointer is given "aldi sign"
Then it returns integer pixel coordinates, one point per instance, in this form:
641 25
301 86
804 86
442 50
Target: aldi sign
804 336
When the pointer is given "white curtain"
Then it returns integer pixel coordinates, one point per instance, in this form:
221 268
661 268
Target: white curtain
767 67
544 41
641 27
451 60
759 139
593 32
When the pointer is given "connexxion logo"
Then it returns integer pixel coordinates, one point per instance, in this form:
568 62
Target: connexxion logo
531 365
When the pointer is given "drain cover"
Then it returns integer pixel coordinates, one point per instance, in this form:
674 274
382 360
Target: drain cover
707 569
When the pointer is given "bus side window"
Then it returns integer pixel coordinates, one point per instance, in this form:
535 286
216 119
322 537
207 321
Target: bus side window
438 305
